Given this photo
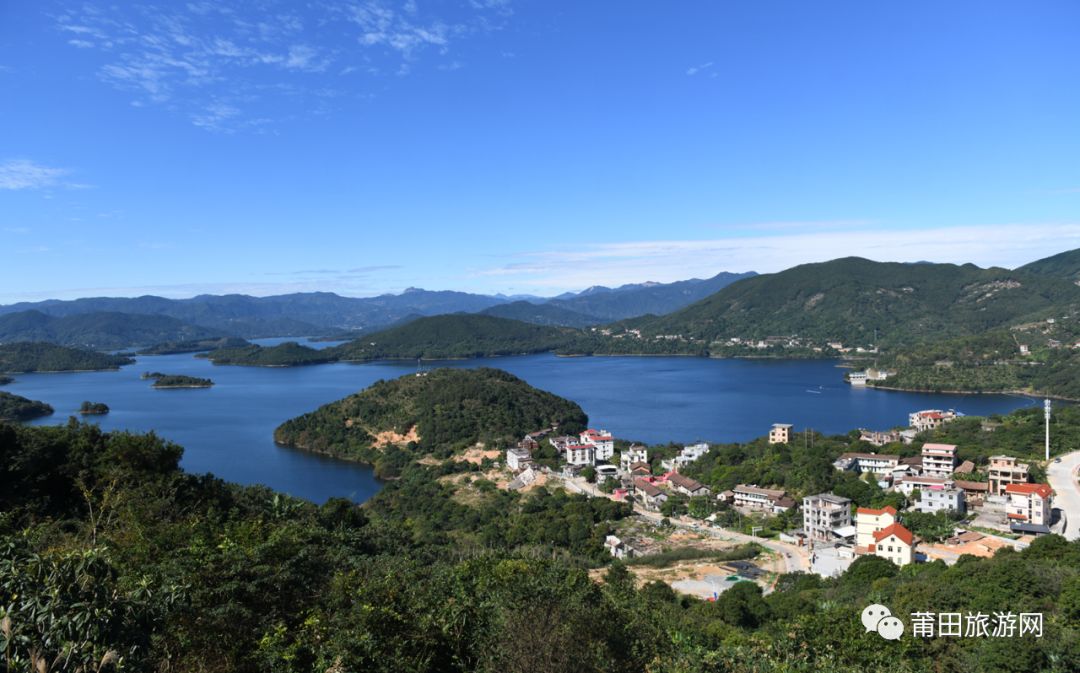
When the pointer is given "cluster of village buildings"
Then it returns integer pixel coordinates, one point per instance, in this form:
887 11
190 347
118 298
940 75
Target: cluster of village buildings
933 480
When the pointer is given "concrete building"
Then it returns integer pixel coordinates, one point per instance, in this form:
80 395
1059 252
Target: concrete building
938 460
929 419
895 543
908 485
601 441
879 437
580 454
686 485
517 458
650 496
1005 470
824 514
869 521
635 454
878 463
687 455
1029 507
780 433
754 497
941 500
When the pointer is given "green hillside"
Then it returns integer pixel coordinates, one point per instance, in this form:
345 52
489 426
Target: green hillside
445 409
43 357
99 330
288 354
849 299
1062 265
458 336
16 408
542 314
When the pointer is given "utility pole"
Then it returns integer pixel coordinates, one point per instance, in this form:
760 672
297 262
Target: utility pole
1046 415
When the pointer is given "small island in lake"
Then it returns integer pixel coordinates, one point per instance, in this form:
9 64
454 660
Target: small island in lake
93 408
176 380
16 408
4 380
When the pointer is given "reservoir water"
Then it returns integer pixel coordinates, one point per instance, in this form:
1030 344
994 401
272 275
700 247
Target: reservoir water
227 429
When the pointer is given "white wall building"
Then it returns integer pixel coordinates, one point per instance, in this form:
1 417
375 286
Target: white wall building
601 440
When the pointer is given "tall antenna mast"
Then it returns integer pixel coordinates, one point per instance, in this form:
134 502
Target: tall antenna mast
1046 415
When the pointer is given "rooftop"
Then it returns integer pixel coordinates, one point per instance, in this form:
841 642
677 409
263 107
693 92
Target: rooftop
1041 490
903 534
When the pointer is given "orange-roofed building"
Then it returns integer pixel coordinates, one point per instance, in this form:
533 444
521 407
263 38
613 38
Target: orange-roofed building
1029 507
894 543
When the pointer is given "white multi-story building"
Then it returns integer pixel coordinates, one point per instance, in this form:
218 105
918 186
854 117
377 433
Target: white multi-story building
825 515
869 521
755 497
895 543
1029 507
909 484
603 442
635 454
878 463
517 458
941 500
686 456
580 454
938 460
929 419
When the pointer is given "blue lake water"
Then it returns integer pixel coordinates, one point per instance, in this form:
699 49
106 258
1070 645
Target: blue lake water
227 429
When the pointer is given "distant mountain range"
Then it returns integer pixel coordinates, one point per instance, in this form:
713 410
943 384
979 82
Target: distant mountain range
100 322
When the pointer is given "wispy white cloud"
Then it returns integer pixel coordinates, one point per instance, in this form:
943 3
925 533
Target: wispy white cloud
219 64
18 174
695 69
1005 245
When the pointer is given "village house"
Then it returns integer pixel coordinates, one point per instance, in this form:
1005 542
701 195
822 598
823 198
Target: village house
929 419
650 495
1005 470
687 455
826 516
857 378
529 443
580 454
635 454
895 543
938 460
560 443
640 470
755 497
880 464
1029 507
908 485
879 437
869 521
617 548
686 485
974 491
780 433
602 442
517 458
941 500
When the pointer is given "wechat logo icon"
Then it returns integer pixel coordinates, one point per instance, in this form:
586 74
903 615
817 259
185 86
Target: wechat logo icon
880 619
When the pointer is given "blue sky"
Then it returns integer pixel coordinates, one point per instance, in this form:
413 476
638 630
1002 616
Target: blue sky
524 146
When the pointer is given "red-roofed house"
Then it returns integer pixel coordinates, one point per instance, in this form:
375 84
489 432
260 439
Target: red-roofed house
1029 507
580 454
601 440
870 521
894 543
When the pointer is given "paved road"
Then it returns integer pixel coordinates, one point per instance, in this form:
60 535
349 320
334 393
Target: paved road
1062 478
795 558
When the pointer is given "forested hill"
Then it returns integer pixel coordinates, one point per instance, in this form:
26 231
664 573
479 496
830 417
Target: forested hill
17 408
438 412
848 299
100 330
1062 265
628 301
42 357
458 336
542 314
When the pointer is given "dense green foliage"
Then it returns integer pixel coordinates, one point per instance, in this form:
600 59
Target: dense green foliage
449 409
1062 265
43 357
177 380
850 299
102 330
458 336
4 380
106 547
16 408
542 314
194 346
287 354
93 408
